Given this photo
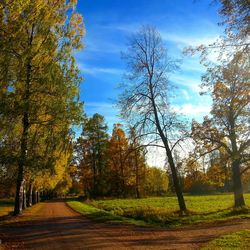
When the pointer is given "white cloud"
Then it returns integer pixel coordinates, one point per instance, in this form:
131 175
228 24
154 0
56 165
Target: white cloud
191 83
192 110
185 94
192 64
182 42
98 105
95 70
186 41
127 28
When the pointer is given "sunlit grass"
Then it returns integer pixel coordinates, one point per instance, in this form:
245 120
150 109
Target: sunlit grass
197 204
99 214
238 240
163 211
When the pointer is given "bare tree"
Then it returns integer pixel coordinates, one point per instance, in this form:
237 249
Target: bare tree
144 101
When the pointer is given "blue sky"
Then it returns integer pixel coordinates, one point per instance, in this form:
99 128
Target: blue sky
108 25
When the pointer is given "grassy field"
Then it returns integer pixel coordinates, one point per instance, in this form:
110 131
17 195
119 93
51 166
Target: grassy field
163 211
101 215
239 240
6 206
198 204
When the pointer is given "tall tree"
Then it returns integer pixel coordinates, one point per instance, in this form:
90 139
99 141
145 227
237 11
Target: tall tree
91 155
144 101
38 75
137 162
118 161
228 128
227 81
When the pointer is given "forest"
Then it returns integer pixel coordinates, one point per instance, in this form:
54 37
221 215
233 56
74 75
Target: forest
50 147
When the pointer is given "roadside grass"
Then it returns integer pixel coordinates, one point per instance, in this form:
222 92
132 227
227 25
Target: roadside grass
163 211
28 214
6 206
100 215
237 240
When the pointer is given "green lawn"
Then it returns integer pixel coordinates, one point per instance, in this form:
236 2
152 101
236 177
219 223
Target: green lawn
239 240
163 211
198 204
101 215
6 206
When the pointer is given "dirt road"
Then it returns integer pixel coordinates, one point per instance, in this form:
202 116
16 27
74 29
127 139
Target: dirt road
55 226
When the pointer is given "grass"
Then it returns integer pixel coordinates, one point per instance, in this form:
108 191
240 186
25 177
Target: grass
238 240
100 215
31 213
163 211
6 206
198 204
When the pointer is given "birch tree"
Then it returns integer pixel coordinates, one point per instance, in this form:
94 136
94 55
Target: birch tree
39 79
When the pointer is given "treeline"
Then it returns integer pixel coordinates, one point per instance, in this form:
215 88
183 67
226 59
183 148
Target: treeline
39 84
114 165
211 174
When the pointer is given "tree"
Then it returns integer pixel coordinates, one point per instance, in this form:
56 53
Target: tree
91 155
50 178
144 102
246 181
235 20
137 162
228 128
39 79
156 181
194 178
235 14
227 81
118 161
216 176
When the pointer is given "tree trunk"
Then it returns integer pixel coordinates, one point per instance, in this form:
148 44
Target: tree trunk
38 197
29 194
94 190
19 195
22 159
24 197
24 144
34 197
237 185
137 176
176 182
164 139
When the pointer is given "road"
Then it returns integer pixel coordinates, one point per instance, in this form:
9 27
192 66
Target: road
55 226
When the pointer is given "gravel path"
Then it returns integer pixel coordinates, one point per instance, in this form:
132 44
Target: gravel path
57 227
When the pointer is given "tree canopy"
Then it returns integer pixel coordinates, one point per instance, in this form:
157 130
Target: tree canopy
39 82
